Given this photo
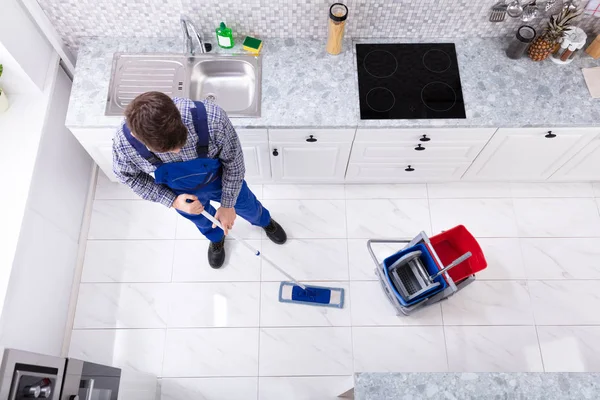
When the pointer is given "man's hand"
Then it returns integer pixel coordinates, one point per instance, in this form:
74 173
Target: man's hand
225 216
192 207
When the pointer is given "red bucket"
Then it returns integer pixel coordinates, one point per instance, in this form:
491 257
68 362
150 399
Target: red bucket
453 243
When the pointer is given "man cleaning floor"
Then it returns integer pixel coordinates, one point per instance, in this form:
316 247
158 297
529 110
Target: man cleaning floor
196 156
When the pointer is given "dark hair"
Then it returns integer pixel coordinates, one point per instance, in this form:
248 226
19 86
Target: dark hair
155 120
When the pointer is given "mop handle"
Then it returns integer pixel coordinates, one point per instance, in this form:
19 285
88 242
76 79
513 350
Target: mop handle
452 265
252 249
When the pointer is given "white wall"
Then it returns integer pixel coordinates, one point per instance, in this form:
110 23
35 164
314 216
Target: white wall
36 306
23 40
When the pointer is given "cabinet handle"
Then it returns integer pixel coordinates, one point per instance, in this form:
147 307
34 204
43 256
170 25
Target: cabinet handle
550 135
425 139
311 139
275 152
419 147
409 169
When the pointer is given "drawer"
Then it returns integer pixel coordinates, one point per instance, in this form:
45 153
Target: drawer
415 135
321 135
430 152
252 135
408 172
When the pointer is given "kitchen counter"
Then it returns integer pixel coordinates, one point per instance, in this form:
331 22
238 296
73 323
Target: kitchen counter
303 86
480 386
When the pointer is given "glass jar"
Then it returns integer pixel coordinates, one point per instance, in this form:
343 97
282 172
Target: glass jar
338 13
516 48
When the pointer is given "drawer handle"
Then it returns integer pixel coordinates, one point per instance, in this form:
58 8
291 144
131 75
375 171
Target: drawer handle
409 169
550 135
275 152
419 147
311 139
425 139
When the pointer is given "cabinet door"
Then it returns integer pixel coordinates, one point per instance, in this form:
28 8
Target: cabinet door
585 166
396 152
314 162
103 156
414 172
528 153
255 145
98 143
258 165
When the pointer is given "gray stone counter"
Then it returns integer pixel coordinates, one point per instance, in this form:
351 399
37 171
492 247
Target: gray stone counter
303 86
477 386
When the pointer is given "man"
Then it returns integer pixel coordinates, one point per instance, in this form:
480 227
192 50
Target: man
195 155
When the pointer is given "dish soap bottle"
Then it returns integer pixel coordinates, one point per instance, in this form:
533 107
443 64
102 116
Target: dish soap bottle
224 36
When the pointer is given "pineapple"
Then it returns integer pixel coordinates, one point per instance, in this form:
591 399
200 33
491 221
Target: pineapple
544 45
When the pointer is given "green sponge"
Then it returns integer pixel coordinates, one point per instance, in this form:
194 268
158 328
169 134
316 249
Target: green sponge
252 45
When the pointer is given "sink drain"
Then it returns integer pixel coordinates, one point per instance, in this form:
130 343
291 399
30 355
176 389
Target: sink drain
211 97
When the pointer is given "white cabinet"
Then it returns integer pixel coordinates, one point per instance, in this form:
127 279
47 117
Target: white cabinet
406 155
255 145
529 154
416 171
98 143
310 155
584 166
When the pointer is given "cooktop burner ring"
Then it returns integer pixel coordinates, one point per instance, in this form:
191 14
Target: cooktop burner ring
440 86
437 61
383 62
381 95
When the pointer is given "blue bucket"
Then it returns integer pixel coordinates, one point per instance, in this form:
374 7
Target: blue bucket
430 265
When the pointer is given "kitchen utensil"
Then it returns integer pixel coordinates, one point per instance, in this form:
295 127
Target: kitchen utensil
498 12
552 7
571 5
530 12
524 36
514 9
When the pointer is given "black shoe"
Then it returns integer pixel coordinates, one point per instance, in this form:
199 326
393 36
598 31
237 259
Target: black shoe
275 232
216 253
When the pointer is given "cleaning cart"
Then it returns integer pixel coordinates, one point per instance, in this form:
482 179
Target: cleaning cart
427 270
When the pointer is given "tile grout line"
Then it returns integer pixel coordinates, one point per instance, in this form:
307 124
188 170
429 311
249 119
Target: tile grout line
164 352
260 283
349 281
527 278
441 302
183 328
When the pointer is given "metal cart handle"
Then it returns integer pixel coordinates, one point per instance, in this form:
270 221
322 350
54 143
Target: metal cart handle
382 241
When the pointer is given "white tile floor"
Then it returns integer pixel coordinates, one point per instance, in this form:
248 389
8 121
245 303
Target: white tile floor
149 301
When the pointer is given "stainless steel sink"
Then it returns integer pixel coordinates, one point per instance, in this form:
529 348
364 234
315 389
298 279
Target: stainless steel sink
232 81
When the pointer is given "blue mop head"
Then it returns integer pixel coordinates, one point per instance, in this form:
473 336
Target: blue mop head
312 295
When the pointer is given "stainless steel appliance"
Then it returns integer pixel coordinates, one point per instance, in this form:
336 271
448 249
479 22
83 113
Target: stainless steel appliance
88 381
25 375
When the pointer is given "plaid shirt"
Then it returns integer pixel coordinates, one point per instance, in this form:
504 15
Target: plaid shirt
134 171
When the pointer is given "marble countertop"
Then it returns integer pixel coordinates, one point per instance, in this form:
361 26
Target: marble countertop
480 386
303 86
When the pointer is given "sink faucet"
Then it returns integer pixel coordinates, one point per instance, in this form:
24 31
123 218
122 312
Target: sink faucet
188 40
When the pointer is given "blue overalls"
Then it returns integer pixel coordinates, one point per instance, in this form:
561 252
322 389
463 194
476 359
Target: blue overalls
201 177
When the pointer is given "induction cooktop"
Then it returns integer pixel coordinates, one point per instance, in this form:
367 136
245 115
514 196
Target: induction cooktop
409 81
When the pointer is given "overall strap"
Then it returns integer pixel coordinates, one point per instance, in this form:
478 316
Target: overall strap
200 120
140 148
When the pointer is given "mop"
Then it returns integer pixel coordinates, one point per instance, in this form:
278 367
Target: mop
294 291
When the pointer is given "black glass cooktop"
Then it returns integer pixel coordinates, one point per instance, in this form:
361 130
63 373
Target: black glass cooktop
409 81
